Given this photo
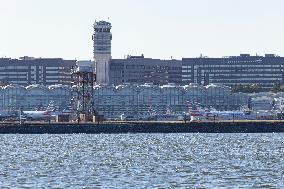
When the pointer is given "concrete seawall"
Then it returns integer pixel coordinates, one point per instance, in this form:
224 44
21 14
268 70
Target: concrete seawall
143 127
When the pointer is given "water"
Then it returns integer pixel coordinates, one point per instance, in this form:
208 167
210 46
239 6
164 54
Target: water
142 161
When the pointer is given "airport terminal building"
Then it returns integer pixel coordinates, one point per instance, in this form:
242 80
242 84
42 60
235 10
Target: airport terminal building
113 101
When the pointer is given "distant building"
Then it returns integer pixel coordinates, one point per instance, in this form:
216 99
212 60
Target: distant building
140 70
244 69
102 50
27 70
88 63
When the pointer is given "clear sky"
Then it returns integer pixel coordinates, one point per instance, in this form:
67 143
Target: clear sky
156 28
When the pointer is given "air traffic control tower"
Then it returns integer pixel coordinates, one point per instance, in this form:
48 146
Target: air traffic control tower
102 51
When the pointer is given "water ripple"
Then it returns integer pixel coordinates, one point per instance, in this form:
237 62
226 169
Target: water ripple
142 161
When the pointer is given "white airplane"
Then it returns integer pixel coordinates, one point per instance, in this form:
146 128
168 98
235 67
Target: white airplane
200 114
37 115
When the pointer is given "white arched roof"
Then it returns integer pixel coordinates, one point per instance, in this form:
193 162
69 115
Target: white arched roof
13 86
36 86
59 86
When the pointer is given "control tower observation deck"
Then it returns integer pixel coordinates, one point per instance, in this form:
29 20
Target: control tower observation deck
102 50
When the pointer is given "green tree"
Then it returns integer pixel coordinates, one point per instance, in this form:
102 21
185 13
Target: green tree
276 87
248 88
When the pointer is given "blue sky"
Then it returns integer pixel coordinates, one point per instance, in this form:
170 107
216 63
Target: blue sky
156 28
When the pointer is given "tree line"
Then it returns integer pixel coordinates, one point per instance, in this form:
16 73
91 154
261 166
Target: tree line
255 88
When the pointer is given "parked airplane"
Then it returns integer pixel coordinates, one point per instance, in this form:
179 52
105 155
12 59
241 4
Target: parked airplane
37 115
203 115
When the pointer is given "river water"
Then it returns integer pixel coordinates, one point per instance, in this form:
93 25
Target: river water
142 161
